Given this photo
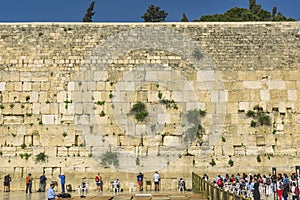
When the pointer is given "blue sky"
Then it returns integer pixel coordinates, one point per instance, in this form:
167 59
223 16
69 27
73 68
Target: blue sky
128 10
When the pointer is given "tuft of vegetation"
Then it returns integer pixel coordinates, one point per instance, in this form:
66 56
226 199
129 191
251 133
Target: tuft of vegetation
212 162
102 114
23 146
258 158
41 157
64 134
139 111
260 118
110 158
159 95
230 163
195 128
25 156
100 103
137 161
223 139
169 103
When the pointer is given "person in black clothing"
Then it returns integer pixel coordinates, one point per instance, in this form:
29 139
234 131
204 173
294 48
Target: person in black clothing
7 180
256 194
43 180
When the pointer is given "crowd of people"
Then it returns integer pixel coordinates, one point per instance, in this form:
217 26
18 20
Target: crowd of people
256 185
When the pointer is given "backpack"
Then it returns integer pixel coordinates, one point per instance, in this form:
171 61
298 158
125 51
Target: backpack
27 180
297 192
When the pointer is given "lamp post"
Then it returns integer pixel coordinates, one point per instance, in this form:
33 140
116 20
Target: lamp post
274 181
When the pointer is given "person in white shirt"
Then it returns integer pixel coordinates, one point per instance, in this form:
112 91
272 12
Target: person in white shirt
156 179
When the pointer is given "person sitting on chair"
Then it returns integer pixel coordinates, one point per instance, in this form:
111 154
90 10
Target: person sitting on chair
82 188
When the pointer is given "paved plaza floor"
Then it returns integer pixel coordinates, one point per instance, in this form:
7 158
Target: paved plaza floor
92 195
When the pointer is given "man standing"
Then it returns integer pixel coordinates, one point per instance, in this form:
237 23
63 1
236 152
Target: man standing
28 183
140 178
62 181
7 180
43 180
50 192
156 179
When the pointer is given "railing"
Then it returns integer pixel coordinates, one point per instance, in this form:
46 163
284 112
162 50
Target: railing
213 192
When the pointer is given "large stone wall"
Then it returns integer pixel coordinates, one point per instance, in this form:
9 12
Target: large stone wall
67 91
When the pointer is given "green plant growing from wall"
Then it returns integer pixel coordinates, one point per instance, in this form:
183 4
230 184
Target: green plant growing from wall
102 114
194 124
258 158
1 106
169 103
111 95
212 162
64 134
100 103
110 158
159 94
230 163
23 146
11 105
139 111
90 155
260 118
137 161
223 139
25 156
67 101
41 157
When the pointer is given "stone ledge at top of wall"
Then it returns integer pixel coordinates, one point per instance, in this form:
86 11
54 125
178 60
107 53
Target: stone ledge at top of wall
297 23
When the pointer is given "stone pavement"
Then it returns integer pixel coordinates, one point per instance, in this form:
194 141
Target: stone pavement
92 195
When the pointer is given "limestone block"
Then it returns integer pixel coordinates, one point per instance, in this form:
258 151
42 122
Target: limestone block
43 97
17 86
151 76
280 85
50 119
45 86
2 86
71 86
36 86
36 108
172 141
206 75
62 96
83 119
45 108
292 95
223 95
34 97
25 76
252 84
164 75
264 95
27 86
13 119
244 106
10 86
100 76
282 107
255 96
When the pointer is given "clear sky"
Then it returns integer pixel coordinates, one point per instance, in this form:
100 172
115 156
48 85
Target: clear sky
128 10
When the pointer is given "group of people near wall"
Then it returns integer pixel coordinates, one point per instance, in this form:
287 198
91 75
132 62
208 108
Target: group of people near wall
255 185
98 180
